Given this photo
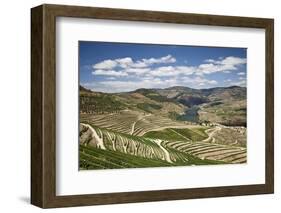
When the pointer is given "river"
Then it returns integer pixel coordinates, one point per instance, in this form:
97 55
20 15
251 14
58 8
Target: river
191 114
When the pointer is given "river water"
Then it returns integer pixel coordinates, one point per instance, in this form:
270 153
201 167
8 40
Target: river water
191 114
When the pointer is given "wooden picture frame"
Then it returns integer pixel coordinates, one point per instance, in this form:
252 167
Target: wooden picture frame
43 105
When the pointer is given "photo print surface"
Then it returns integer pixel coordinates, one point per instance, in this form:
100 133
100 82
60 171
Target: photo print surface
151 105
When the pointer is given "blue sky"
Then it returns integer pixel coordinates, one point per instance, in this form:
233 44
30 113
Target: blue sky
121 67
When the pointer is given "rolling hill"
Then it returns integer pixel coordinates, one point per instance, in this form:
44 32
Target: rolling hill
175 126
224 105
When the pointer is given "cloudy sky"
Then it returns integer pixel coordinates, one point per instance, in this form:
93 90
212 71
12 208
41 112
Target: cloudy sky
120 67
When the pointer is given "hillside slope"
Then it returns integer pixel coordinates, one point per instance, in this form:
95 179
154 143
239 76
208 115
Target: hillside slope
224 105
175 126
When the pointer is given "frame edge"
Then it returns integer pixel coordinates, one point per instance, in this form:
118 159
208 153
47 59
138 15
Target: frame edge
37 190
269 138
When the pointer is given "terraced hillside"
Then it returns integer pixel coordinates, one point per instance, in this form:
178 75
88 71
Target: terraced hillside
136 130
131 122
177 147
100 147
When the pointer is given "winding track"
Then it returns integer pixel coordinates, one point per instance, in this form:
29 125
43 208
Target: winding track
213 131
167 154
139 119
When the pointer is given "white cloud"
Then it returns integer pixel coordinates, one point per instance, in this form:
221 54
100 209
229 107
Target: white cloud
125 74
128 62
240 83
230 60
241 73
149 82
127 65
204 81
139 64
124 62
224 64
162 60
126 86
109 73
172 71
111 78
137 71
208 68
196 82
106 64
186 70
233 61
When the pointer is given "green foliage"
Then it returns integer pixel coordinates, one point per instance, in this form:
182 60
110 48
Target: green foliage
216 103
148 107
172 134
174 116
99 104
154 95
93 158
166 134
188 159
122 135
194 134
242 110
159 98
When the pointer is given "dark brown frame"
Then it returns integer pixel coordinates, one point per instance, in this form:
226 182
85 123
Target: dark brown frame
43 105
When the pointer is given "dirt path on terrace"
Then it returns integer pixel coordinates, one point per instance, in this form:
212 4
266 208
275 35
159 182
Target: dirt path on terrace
167 154
134 124
210 136
166 127
99 140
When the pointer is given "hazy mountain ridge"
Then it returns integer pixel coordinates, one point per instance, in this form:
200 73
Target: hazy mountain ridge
226 105
177 90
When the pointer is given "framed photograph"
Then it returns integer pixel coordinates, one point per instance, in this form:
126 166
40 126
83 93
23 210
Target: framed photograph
136 106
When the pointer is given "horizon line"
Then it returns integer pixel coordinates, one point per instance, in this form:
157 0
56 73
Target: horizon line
160 88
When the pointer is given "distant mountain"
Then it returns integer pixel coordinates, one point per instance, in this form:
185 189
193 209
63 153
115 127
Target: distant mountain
190 97
222 93
226 105
83 89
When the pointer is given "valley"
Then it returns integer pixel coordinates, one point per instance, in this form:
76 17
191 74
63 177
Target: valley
176 126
